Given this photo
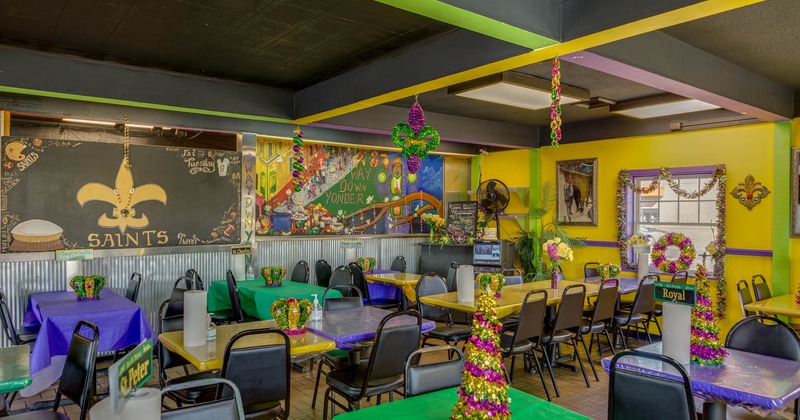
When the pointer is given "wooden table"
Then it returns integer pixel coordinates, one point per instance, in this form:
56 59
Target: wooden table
511 297
15 368
406 281
778 305
209 356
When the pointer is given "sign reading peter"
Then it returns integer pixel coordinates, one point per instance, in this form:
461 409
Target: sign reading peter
61 194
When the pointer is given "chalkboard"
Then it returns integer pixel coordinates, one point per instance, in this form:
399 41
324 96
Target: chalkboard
61 194
462 217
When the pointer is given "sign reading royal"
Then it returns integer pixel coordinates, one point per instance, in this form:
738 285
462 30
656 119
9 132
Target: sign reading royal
682 294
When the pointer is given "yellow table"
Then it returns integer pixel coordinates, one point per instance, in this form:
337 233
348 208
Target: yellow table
511 297
406 281
778 305
209 356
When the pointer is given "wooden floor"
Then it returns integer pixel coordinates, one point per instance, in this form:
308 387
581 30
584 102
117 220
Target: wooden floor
574 393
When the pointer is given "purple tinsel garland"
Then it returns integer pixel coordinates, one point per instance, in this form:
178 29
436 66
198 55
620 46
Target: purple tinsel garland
416 117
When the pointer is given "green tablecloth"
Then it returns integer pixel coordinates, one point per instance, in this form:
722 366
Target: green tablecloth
15 368
257 299
439 405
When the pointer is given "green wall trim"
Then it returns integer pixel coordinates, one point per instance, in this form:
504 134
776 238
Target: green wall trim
137 104
535 181
472 21
781 208
475 172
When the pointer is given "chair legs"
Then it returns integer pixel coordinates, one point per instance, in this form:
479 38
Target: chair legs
580 361
550 369
532 355
316 384
588 356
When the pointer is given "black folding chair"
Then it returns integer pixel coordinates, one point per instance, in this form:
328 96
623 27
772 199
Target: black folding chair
421 379
300 273
226 408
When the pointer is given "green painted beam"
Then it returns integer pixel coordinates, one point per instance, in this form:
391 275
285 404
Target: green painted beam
443 12
535 181
475 172
781 208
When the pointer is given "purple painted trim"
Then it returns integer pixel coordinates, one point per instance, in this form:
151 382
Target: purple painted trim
602 244
688 170
749 252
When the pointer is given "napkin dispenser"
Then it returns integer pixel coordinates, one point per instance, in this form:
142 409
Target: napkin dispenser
465 283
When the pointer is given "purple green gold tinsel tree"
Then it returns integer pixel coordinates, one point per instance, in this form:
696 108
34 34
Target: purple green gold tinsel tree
705 346
483 393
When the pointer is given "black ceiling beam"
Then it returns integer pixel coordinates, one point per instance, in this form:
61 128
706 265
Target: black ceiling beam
658 60
581 17
542 17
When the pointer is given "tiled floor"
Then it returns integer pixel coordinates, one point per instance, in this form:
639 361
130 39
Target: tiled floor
574 393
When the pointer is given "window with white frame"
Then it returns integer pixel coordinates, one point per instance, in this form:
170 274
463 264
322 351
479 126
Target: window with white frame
662 211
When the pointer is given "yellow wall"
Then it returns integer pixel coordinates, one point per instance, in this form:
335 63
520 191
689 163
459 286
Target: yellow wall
512 167
794 243
747 149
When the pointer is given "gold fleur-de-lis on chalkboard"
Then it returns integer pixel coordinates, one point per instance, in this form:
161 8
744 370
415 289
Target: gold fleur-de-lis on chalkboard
750 192
123 197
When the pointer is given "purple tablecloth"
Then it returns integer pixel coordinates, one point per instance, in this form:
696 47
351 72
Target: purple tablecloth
347 326
760 383
382 290
626 284
120 323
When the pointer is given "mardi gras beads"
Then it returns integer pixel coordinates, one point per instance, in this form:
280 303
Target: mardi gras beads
555 107
297 164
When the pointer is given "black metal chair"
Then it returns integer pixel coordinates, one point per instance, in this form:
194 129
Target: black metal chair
422 379
132 292
234 315
591 269
17 336
261 373
680 277
745 298
527 336
351 298
513 276
450 281
560 273
323 272
399 264
602 315
760 288
341 278
227 408
360 282
566 327
631 394
643 304
78 377
170 318
432 284
198 282
300 272
384 372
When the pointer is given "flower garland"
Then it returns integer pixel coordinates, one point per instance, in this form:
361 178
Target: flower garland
683 243
719 179
491 283
555 106
705 347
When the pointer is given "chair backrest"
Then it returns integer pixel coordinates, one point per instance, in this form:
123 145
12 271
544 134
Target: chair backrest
606 301
261 373
78 377
421 379
531 317
399 264
349 300
342 276
512 272
644 302
392 347
228 408
198 282
764 335
680 277
431 284
591 269
631 394
8 323
132 293
745 298
450 281
300 272
323 272
760 288
570 309
560 273
170 318
233 292
359 281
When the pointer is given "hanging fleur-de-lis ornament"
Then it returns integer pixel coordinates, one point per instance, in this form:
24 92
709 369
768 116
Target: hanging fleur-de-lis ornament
750 192
414 146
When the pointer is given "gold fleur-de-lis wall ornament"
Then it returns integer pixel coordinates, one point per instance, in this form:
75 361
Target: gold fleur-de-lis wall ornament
750 192
123 196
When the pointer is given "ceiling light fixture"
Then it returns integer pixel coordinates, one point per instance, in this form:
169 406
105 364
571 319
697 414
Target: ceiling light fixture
516 89
660 106
92 122
146 127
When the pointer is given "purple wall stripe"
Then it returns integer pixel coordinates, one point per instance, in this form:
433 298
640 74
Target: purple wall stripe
602 244
730 251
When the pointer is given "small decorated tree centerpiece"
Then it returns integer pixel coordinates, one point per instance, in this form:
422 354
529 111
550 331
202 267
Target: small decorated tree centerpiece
705 347
483 393
608 271
491 283
555 250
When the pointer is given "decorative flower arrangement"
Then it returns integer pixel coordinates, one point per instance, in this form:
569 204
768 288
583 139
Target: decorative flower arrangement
414 146
719 178
683 243
705 347
483 393
87 287
273 276
491 283
640 240
557 250
436 224
366 263
291 314
608 271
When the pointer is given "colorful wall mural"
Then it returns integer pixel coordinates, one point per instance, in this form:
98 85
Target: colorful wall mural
346 191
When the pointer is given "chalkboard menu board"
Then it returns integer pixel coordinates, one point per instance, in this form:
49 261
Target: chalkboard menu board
61 194
462 217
